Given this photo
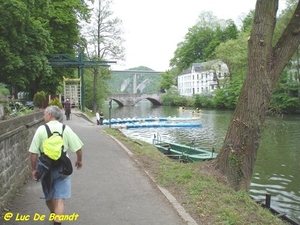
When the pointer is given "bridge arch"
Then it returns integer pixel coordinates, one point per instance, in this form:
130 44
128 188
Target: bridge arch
132 99
152 100
118 102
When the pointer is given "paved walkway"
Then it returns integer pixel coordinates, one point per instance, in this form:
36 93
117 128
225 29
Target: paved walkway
110 189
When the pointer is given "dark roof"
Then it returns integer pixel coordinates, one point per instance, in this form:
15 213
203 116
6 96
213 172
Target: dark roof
200 67
186 71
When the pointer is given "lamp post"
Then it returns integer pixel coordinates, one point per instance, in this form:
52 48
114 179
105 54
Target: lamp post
109 112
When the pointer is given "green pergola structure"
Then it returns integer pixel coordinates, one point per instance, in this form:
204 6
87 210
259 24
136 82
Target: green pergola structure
68 61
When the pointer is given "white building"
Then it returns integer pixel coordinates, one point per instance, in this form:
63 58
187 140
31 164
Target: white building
202 77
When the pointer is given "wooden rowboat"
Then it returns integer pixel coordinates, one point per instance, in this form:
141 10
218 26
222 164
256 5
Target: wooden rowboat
183 152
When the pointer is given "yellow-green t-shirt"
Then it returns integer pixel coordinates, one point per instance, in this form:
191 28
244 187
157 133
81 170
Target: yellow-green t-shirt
71 140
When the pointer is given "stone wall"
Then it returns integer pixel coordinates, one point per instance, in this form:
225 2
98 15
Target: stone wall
15 137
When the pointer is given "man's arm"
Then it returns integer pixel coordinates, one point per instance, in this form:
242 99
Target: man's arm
33 158
78 162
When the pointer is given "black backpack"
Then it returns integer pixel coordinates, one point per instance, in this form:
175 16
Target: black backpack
45 164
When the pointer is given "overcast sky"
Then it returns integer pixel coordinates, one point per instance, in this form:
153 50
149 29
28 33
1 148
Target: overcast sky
153 28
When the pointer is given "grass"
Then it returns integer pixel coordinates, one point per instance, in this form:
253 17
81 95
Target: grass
204 195
89 113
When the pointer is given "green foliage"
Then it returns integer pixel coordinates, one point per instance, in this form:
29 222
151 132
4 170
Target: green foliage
64 24
3 89
56 102
173 98
14 108
213 38
237 62
227 96
203 101
247 21
202 39
39 99
284 18
31 29
63 18
24 39
286 95
88 87
167 81
102 88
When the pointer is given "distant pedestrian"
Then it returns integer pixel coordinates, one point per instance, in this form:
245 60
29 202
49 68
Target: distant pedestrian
98 117
67 109
101 117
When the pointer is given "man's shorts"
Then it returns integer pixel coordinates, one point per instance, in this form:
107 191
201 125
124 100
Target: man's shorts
58 188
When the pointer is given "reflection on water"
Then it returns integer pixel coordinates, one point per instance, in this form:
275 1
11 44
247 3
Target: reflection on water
277 166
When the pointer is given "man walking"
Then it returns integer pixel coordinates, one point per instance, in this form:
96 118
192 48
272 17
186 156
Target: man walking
60 185
67 107
101 117
98 117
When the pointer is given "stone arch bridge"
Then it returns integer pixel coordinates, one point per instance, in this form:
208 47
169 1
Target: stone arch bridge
132 99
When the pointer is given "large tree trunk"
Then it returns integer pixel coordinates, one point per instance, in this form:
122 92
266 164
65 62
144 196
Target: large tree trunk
265 64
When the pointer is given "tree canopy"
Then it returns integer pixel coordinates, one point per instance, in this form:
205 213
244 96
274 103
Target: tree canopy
234 52
202 39
29 31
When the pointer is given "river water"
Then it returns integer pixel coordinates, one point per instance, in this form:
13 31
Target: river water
277 168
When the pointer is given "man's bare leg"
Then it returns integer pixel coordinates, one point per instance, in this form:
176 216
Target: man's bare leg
50 205
56 206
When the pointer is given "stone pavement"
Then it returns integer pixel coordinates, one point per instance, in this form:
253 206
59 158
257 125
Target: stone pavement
110 189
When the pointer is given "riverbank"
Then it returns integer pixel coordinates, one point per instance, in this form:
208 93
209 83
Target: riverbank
204 195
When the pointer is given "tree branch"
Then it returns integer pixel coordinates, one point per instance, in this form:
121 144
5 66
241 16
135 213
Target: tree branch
288 42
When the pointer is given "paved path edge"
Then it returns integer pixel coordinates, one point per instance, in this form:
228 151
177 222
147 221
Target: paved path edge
178 207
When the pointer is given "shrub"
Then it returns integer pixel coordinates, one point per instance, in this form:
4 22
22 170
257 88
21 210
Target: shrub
3 90
56 102
203 101
173 98
39 99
